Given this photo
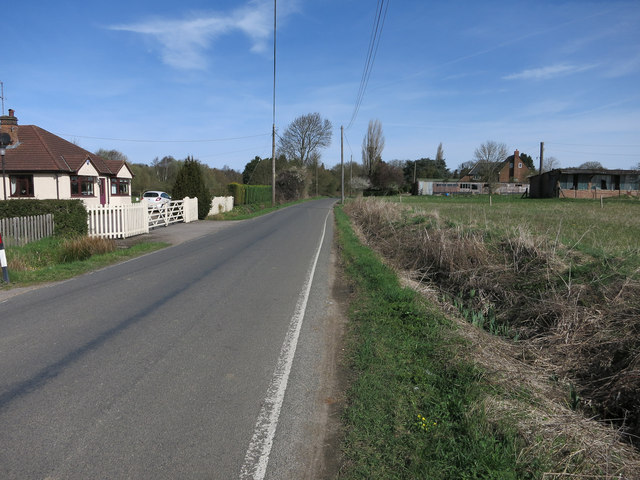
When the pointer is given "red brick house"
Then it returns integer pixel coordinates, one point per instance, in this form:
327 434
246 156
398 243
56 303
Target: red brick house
511 170
41 165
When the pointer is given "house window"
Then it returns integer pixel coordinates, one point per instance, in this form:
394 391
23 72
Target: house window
82 186
520 165
120 186
21 185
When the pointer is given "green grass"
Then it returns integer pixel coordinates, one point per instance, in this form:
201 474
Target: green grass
613 229
413 408
43 261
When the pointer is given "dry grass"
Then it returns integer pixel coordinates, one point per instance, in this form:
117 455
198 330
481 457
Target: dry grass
578 354
83 248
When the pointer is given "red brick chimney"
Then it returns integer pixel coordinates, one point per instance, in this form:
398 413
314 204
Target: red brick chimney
9 124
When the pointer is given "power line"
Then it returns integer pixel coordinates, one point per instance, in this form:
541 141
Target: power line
588 145
163 141
374 42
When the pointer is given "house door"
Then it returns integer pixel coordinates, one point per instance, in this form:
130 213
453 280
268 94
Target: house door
103 191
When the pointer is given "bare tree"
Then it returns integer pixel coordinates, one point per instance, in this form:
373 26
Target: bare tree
592 165
112 155
372 147
304 137
489 158
550 163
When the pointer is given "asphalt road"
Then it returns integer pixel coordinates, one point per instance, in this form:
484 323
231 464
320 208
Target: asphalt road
172 365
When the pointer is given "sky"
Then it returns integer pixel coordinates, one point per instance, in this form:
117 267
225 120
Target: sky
152 78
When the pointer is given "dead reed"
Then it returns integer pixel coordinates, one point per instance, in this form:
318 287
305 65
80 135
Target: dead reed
575 318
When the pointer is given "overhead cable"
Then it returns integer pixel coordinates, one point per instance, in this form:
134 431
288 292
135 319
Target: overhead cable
164 141
374 42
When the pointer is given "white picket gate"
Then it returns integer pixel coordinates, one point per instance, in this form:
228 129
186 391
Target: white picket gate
122 221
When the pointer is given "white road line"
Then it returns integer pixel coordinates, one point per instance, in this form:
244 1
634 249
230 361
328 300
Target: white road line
257 456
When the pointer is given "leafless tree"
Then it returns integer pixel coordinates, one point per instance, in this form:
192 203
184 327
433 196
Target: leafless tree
550 163
112 155
592 165
489 157
304 137
372 147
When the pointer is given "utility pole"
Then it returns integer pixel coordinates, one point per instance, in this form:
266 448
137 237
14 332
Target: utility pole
342 163
273 130
541 156
2 96
351 175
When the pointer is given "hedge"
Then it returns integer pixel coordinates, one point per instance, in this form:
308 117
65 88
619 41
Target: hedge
249 194
69 216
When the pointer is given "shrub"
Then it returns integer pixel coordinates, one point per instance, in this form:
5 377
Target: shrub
190 183
290 185
69 216
249 194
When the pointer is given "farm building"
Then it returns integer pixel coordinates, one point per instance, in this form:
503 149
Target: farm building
439 187
585 183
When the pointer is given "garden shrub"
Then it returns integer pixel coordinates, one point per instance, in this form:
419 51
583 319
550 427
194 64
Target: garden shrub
69 216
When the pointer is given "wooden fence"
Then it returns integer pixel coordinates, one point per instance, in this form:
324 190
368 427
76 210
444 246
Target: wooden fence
122 221
19 231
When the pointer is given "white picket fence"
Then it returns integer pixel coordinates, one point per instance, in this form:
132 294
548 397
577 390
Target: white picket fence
122 221
19 231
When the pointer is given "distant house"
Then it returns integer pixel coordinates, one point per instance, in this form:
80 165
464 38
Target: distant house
585 183
511 170
41 165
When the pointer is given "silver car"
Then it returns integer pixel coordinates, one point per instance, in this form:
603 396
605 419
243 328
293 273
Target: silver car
155 199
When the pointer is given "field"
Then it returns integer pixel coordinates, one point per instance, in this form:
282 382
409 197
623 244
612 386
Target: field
556 284
612 228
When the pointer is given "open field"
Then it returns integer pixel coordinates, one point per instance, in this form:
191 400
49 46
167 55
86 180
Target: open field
557 283
611 229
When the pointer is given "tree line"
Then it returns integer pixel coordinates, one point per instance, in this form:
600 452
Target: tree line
301 173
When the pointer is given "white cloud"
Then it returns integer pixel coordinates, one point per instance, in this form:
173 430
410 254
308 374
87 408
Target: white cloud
546 73
183 42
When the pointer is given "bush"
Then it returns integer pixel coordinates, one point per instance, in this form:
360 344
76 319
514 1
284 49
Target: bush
190 183
249 194
290 185
69 216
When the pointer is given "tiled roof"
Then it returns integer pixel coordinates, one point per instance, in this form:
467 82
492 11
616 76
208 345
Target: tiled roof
41 151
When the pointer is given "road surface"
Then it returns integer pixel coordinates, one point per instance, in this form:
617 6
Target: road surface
209 359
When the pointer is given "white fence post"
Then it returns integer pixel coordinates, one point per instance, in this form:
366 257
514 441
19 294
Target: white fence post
190 209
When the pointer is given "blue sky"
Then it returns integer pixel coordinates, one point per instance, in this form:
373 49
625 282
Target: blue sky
156 78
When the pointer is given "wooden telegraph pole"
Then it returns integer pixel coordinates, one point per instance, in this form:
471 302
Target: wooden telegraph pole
342 162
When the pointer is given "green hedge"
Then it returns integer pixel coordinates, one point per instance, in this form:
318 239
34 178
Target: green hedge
249 194
69 216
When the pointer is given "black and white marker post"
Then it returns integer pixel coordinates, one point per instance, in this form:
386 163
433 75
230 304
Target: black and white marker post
3 261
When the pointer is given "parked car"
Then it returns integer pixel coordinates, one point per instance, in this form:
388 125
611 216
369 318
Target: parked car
155 199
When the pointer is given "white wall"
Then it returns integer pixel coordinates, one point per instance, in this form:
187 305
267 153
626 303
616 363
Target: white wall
221 205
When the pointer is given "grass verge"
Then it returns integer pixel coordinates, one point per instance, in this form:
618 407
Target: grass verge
55 259
414 408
